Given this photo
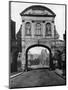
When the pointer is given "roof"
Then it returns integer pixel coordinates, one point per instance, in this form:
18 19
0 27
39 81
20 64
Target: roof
37 7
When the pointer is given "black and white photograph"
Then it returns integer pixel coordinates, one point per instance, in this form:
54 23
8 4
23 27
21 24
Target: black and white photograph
37 44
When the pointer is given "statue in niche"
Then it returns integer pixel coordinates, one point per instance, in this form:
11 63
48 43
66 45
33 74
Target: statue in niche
38 29
48 29
28 28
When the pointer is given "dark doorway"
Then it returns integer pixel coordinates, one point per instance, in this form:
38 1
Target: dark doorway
38 56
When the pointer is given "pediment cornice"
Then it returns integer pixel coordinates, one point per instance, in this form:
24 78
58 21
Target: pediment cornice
38 10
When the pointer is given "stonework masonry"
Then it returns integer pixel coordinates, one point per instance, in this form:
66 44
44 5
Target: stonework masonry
33 39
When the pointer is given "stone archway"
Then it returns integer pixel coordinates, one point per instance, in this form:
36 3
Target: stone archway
39 45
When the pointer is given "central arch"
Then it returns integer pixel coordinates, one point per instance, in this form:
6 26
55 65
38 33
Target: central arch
38 45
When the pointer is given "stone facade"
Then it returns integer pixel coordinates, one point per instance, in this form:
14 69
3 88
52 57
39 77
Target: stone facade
38 28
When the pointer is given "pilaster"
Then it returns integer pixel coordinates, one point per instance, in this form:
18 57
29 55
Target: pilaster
52 29
33 29
43 29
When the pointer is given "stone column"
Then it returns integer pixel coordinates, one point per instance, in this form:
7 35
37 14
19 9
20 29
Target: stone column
23 29
43 29
23 55
23 44
52 29
33 29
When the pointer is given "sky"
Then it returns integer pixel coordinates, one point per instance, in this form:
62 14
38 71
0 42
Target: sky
59 10
37 50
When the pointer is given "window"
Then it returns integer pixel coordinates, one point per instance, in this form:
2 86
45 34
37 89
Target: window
28 29
38 29
48 29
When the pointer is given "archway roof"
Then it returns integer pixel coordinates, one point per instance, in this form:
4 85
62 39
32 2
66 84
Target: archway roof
37 10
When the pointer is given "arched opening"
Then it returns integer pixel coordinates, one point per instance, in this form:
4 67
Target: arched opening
38 56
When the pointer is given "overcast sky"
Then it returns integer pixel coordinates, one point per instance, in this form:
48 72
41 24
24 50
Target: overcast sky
37 50
59 10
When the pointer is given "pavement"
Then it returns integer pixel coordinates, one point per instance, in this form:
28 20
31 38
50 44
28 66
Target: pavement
38 66
35 78
15 74
60 73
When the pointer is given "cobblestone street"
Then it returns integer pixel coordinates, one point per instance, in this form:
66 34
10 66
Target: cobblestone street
39 77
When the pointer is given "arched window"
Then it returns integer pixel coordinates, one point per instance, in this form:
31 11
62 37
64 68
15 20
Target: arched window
48 29
38 29
28 29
